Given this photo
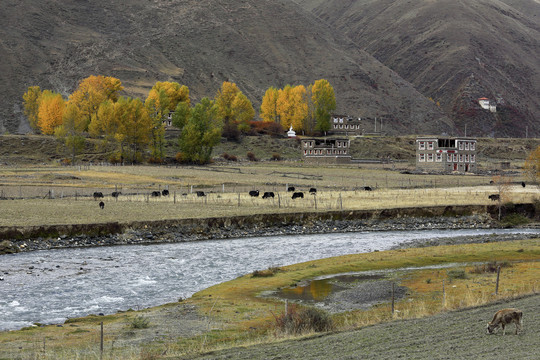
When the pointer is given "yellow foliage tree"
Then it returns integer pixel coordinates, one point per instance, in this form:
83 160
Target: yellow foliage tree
50 113
269 105
324 102
532 165
292 106
71 130
284 106
134 130
31 105
174 92
233 107
92 91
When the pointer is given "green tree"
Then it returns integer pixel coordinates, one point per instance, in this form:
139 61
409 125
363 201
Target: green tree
181 115
324 103
31 105
201 132
157 103
71 131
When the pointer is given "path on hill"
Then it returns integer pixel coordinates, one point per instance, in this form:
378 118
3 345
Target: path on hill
452 335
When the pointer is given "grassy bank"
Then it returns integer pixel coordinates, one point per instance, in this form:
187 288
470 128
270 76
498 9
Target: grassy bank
234 313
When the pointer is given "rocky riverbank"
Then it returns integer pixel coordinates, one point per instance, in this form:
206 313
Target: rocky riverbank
179 233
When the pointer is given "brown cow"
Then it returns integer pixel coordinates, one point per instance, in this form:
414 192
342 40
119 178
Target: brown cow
505 317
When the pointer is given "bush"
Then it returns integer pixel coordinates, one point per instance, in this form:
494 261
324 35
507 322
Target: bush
457 274
153 160
140 322
229 157
303 321
514 220
251 156
231 132
180 158
490 267
115 159
266 273
276 157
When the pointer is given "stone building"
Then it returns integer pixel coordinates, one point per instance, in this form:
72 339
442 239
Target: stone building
445 154
328 151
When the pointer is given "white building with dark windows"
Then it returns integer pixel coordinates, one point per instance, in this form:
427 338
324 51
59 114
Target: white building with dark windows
343 124
446 154
329 151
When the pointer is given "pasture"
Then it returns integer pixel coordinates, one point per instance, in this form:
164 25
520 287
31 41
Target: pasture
65 193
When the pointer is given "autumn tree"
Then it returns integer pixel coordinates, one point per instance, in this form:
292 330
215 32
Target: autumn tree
324 103
71 130
234 109
292 106
50 111
92 91
269 105
201 132
31 105
135 125
532 166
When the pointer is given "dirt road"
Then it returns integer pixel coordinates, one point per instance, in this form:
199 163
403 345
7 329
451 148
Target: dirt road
452 335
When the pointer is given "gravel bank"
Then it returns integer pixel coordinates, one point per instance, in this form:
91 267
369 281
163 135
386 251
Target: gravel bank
170 234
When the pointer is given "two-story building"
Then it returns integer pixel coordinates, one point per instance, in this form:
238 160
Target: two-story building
343 124
329 151
446 154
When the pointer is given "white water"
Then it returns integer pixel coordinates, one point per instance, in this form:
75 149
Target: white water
51 286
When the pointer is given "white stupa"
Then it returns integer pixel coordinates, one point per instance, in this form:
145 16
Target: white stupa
291 133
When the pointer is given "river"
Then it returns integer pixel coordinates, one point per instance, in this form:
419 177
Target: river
50 286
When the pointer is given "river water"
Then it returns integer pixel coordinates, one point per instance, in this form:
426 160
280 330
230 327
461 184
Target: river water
51 286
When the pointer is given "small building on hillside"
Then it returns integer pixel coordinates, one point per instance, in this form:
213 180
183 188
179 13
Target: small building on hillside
445 155
487 105
327 151
343 124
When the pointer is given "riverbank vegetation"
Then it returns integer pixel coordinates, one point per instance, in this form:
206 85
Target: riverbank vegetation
241 312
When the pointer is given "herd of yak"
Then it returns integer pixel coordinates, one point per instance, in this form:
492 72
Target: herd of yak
255 193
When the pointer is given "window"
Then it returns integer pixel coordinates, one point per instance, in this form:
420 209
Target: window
341 120
305 144
466 158
460 158
338 143
448 157
455 157
430 157
422 145
438 157
430 145
335 120
460 145
472 158
466 146
310 152
421 157
473 145
305 152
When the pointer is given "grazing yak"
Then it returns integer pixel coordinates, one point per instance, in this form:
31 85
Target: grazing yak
312 191
200 193
523 184
291 189
254 193
165 192
98 195
368 188
494 197
505 317
268 194
297 195
156 193
115 194
101 205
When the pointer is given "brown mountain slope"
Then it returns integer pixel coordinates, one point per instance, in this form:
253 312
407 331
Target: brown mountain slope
256 44
454 51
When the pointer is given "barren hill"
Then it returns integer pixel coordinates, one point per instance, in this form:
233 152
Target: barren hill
454 51
256 44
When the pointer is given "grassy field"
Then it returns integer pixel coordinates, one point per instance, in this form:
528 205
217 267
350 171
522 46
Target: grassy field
65 193
234 314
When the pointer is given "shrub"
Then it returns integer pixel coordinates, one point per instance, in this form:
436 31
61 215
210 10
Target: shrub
140 322
490 267
231 132
115 159
514 220
251 156
266 273
155 160
303 321
457 274
180 158
229 157
276 157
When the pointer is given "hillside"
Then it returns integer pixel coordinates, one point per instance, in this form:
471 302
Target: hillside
454 52
256 44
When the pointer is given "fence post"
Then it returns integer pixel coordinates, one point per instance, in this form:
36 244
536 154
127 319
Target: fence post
101 343
174 196
497 285
443 295
392 299
238 199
